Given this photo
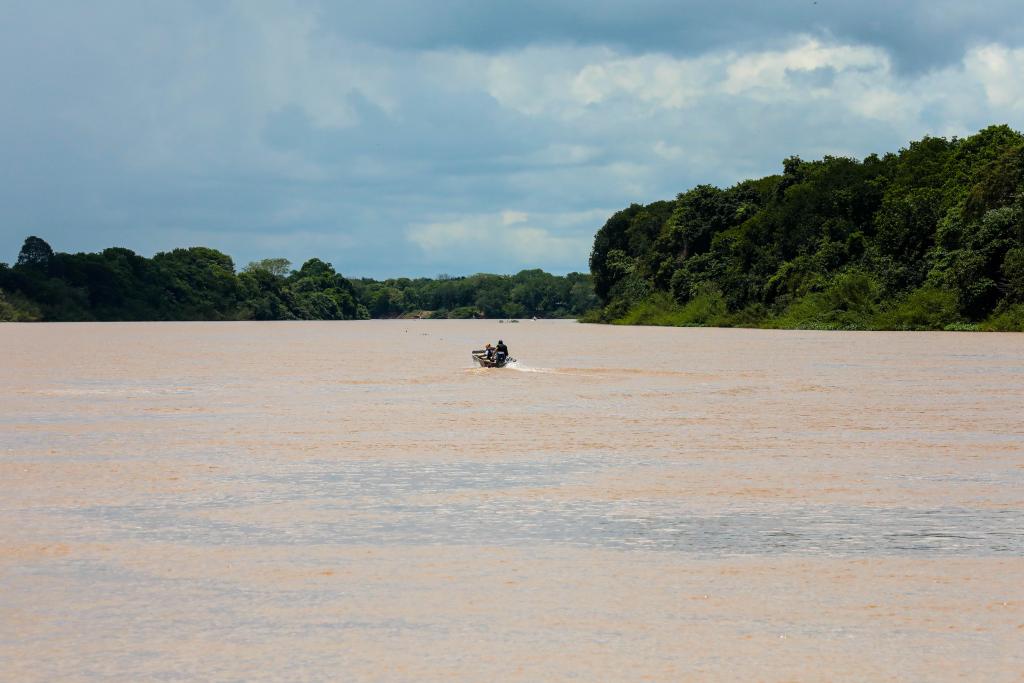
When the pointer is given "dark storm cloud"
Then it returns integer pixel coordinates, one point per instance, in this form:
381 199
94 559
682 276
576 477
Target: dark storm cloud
920 34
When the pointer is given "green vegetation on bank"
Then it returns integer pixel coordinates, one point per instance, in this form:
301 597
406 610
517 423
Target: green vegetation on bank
199 283
929 238
525 294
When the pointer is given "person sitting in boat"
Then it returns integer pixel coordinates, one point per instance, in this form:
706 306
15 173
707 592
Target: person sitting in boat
500 352
489 351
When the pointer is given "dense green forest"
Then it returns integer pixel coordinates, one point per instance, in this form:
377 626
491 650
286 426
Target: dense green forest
201 284
527 293
931 237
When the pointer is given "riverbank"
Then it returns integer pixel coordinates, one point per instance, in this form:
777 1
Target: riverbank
931 311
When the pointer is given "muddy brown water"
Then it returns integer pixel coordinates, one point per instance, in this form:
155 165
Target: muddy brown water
356 501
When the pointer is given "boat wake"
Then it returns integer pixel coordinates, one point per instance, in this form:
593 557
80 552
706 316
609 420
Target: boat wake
522 367
517 366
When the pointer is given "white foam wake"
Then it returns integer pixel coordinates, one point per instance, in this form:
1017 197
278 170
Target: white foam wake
522 367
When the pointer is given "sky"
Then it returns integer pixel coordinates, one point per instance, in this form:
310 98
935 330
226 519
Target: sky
406 137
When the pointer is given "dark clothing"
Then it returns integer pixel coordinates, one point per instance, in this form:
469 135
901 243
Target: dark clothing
502 349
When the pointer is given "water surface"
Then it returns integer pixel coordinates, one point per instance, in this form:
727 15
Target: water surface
268 501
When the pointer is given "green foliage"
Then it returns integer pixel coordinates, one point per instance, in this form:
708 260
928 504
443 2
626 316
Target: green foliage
320 293
926 308
611 238
265 296
1009 320
16 309
849 302
279 267
201 284
35 253
927 238
658 309
1013 274
184 284
527 293
463 313
706 308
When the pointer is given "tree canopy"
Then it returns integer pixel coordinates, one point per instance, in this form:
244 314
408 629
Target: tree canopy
199 283
931 237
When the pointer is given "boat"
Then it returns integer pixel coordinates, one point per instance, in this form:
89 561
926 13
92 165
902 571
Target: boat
480 356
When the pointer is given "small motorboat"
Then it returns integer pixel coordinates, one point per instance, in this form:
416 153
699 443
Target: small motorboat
480 356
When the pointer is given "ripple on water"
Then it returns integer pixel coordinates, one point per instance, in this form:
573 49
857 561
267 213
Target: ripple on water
413 503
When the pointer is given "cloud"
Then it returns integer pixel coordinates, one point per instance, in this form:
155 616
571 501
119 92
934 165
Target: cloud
304 129
507 238
921 35
766 75
998 70
513 217
667 151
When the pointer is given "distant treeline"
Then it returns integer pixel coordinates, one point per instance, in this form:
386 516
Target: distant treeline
929 238
525 294
199 283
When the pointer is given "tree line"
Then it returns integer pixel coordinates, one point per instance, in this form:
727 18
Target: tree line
199 283
930 237
525 294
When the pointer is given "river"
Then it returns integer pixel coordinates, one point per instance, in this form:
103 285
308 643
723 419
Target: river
356 501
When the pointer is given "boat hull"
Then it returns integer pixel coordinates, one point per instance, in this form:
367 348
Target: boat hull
485 362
